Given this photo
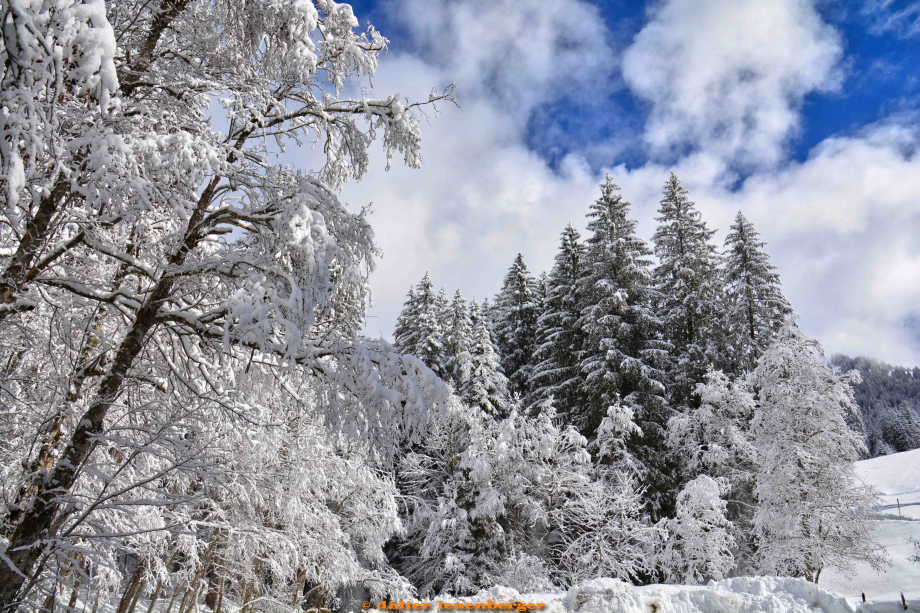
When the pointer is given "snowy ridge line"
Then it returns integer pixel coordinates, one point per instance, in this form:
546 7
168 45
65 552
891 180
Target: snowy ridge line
736 595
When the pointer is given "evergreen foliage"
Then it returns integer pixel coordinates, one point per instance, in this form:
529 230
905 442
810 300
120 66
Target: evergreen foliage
889 401
485 387
514 319
420 326
755 305
688 283
557 371
622 351
457 341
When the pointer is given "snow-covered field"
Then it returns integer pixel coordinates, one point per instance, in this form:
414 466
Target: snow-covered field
896 477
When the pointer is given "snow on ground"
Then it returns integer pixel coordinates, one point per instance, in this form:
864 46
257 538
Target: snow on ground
738 595
896 477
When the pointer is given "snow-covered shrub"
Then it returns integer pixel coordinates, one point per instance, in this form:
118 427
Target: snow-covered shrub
526 574
698 545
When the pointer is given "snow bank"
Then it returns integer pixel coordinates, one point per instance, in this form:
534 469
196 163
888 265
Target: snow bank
741 595
737 595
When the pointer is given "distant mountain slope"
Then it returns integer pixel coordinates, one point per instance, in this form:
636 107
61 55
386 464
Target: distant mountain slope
889 397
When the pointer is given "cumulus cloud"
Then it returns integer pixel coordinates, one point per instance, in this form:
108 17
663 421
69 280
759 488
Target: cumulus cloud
519 53
729 77
844 225
840 225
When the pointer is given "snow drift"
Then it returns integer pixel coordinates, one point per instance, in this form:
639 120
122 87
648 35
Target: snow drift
737 595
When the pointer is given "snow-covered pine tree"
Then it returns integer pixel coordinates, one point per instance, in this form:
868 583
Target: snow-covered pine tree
556 373
514 317
455 542
755 305
485 386
812 510
405 333
418 328
428 346
699 542
428 553
458 339
611 446
443 309
542 289
622 351
689 285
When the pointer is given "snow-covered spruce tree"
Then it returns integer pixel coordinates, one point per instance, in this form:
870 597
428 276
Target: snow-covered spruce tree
556 373
454 541
419 330
405 333
153 259
457 341
485 386
428 554
689 285
755 305
514 319
812 511
542 288
622 352
610 446
698 546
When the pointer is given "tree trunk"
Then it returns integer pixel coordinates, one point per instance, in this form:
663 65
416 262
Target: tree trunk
28 540
220 594
137 595
173 599
33 240
128 596
27 543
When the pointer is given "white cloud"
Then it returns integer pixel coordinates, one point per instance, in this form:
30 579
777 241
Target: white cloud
841 225
903 19
729 77
519 53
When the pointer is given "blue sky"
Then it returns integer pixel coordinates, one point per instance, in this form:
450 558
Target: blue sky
801 113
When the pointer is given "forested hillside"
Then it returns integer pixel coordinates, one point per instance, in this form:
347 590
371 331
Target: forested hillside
645 412
889 400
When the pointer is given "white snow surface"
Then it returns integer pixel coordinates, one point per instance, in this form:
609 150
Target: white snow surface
737 595
897 478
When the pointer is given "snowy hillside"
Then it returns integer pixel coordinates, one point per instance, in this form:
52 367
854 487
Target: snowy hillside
897 478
